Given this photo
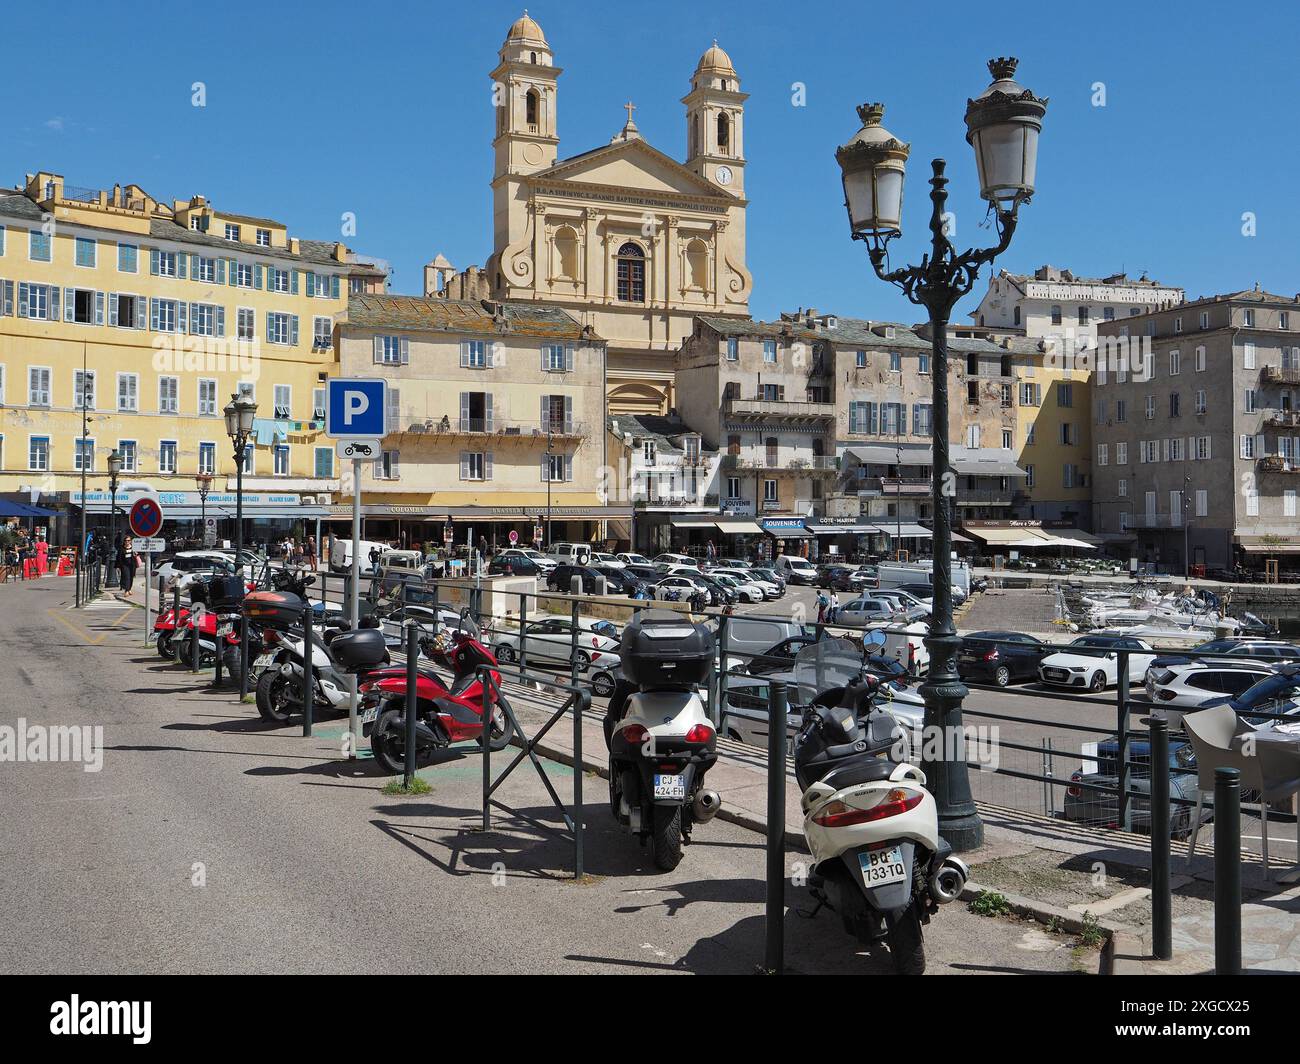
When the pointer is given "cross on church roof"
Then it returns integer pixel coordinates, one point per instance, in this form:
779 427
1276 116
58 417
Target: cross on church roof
629 107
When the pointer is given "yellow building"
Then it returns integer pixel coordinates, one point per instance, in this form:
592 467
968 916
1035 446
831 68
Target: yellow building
496 417
155 314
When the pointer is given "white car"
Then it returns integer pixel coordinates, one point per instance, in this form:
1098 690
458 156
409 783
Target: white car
770 589
1186 685
182 568
747 591
1091 662
542 561
609 561
679 588
629 558
864 611
675 559
550 640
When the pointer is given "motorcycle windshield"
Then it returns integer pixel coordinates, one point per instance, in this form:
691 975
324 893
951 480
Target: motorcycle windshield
825 664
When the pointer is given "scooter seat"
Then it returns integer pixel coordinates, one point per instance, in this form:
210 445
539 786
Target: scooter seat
865 769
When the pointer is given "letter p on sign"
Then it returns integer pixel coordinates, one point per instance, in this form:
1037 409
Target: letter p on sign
356 408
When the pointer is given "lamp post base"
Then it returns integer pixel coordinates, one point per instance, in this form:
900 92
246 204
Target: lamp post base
943 756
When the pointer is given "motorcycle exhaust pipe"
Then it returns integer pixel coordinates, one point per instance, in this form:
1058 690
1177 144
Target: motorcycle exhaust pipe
706 806
948 880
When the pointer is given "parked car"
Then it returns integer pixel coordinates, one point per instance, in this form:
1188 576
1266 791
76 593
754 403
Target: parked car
539 560
741 589
1091 662
865 611
1256 649
609 561
750 636
517 564
675 559
769 575
618 581
834 577
1279 693
647 574
629 558
550 640
569 553
723 591
1192 683
680 588
781 657
796 570
1101 808
1000 658
561 578
182 568
770 588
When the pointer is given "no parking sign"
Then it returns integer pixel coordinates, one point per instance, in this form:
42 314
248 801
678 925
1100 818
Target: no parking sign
145 517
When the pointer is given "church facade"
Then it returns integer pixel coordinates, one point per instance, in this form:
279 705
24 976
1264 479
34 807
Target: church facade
624 237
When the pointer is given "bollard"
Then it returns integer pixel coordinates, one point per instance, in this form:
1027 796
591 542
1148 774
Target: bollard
308 672
243 655
1162 926
485 685
176 625
195 623
412 678
1227 871
573 646
720 711
575 585
1123 754
774 953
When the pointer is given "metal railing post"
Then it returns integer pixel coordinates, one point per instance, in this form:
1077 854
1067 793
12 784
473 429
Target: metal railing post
243 654
720 709
523 634
216 651
774 951
195 624
176 625
1122 736
1227 871
573 644
412 679
308 672
1162 928
582 699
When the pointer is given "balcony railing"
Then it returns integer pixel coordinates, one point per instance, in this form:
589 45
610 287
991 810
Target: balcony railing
1279 463
904 485
1283 419
984 496
811 466
779 408
469 426
1282 374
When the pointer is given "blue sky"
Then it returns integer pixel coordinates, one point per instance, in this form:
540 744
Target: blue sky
384 109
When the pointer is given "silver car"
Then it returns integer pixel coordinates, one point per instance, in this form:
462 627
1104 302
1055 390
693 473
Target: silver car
550 640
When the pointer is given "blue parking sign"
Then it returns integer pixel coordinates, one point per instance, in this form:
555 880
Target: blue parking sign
356 408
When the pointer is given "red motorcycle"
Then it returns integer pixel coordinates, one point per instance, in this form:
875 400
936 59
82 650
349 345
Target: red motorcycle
211 628
445 714
165 629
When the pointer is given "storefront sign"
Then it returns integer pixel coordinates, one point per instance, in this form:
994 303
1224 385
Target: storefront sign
782 524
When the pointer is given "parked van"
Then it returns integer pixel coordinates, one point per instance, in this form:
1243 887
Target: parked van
795 570
569 553
341 554
748 636
895 574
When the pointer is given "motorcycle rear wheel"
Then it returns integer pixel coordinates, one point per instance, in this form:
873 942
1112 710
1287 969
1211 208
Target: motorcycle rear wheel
906 945
164 645
272 696
388 743
501 730
666 836
233 664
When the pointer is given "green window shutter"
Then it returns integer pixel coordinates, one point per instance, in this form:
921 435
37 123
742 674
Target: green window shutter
334 287
153 261
293 330
293 282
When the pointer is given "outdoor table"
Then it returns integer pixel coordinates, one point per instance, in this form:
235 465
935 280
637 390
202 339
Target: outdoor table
1288 734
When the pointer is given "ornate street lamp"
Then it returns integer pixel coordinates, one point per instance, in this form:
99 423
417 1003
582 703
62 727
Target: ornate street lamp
239 412
114 469
204 482
1002 126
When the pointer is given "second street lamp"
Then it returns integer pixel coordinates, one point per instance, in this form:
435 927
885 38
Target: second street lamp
1002 125
204 482
114 470
240 413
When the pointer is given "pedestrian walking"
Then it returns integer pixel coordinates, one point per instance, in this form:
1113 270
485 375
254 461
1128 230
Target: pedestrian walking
310 546
822 603
126 563
834 614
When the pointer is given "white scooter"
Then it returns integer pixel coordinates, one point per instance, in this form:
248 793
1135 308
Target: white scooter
279 676
873 828
662 743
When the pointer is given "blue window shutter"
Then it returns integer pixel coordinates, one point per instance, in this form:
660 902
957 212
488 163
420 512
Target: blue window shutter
194 267
153 314
54 303
334 287
257 275
22 299
99 308
181 324
7 298
309 284
464 353
293 282
221 321
269 332
568 467
153 261
181 259
293 330
221 271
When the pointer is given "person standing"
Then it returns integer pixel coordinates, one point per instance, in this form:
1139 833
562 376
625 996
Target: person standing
310 551
834 612
822 603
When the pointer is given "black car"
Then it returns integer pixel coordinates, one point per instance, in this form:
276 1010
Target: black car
1277 694
620 581
1000 657
647 574
514 565
561 578
835 577
781 658
720 594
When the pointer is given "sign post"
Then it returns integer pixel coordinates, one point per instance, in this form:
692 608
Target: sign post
150 547
356 414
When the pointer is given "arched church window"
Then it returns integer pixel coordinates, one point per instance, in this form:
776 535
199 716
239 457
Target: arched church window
695 135
697 265
566 252
724 133
531 107
532 58
631 274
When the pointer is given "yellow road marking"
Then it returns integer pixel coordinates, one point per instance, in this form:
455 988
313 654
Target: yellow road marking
80 632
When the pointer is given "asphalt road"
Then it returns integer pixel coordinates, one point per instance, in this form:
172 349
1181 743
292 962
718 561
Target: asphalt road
211 843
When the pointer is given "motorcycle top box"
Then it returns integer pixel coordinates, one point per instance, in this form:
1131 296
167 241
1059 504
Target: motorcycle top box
225 592
273 609
360 650
660 648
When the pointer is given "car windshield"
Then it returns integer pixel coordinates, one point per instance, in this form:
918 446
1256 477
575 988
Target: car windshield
826 663
1267 690
605 628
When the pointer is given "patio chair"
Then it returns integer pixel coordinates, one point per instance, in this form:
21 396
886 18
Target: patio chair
1272 768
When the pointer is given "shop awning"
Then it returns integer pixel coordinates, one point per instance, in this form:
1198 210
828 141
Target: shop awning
908 454
841 530
738 526
1280 545
9 508
693 521
909 531
1006 537
984 462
